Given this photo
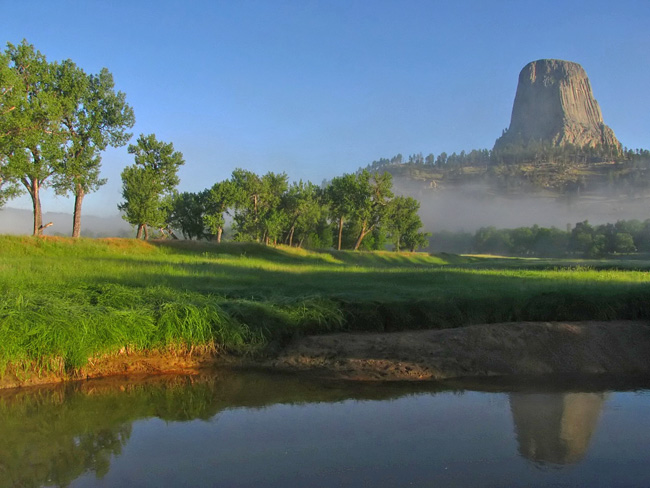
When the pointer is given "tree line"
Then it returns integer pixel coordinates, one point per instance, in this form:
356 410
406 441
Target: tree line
353 211
568 170
582 240
535 152
55 121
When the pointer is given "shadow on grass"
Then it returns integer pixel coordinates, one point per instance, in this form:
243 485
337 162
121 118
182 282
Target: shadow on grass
281 304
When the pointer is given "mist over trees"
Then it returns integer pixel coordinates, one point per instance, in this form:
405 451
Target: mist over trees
567 170
581 240
55 121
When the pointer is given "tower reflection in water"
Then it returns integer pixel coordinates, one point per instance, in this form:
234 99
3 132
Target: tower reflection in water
555 427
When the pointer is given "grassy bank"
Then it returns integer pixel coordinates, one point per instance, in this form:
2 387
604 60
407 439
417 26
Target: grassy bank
63 301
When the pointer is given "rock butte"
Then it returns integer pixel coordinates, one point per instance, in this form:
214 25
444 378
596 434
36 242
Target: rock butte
554 104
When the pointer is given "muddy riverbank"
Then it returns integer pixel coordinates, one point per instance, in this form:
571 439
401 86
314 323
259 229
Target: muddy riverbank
510 349
619 348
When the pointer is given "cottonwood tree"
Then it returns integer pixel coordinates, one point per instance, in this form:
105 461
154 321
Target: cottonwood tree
403 223
303 207
95 116
273 217
340 196
31 144
216 202
248 190
415 240
9 99
373 193
258 215
147 185
186 214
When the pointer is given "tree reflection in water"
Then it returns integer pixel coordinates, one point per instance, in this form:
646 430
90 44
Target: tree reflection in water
53 435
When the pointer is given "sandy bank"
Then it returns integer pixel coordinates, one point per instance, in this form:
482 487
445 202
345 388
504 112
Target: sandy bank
509 350
496 350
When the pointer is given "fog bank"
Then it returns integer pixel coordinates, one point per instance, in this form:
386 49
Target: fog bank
19 221
469 207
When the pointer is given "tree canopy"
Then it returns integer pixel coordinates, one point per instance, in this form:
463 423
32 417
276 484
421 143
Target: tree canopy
55 121
269 210
95 117
148 185
31 143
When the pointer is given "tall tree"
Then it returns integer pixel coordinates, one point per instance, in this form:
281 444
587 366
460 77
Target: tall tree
248 192
373 193
216 202
31 145
186 214
402 221
147 185
258 215
303 207
273 217
340 195
95 117
9 99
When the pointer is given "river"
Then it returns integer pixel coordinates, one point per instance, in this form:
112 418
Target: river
252 429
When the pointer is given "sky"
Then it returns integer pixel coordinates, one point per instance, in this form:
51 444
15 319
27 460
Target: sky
319 88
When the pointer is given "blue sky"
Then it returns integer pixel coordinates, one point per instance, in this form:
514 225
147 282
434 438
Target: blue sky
319 88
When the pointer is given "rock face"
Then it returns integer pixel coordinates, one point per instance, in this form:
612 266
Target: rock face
554 104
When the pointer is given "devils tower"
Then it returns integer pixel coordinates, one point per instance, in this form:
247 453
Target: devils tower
554 105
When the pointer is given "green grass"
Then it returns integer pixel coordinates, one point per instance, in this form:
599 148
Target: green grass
63 301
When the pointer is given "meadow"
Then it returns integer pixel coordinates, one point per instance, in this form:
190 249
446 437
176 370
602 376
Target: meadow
65 301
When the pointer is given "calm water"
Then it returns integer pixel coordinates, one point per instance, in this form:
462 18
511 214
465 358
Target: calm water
269 430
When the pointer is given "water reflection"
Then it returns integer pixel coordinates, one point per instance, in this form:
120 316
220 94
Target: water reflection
242 428
52 435
555 427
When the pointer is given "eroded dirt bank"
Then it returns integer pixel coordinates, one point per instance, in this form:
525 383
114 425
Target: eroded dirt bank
620 348
155 363
512 349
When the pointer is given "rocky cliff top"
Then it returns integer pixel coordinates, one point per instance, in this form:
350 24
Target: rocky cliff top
554 104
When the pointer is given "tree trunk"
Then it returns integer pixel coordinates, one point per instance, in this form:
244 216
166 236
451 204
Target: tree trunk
33 187
76 217
219 233
139 233
397 245
293 228
359 239
38 215
364 233
340 232
146 232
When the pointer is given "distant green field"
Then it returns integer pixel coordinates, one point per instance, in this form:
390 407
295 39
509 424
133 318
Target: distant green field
63 301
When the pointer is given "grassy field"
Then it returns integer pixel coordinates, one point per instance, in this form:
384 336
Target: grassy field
63 301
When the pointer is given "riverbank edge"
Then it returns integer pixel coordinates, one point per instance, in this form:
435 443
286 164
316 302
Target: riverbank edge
509 350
